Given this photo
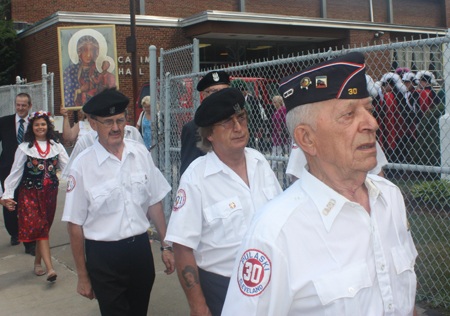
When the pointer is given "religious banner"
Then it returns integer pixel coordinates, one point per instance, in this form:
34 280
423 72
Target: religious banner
87 62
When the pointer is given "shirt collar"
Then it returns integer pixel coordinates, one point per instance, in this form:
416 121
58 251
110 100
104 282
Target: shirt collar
103 154
215 165
328 202
18 119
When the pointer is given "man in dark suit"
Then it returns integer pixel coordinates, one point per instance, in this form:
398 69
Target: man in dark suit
210 83
12 130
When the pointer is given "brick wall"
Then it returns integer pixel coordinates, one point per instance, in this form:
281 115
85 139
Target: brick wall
42 47
408 12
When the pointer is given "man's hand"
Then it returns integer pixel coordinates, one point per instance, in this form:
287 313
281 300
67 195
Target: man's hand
64 112
84 287
169 261
9 204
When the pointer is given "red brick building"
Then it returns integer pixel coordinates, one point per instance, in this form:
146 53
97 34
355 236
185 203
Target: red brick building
229 30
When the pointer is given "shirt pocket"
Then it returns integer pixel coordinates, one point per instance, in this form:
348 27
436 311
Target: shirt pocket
337 289
139 188
405 283
226 219
107 197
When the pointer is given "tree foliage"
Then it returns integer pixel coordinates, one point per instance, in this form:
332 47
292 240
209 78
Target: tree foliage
9 55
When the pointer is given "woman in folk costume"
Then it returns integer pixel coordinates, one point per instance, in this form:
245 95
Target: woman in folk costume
395 110
428 98
34 172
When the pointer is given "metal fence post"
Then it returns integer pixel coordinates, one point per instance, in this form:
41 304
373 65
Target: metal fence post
44 88
444 121
195 70
52 96
153 100
167 166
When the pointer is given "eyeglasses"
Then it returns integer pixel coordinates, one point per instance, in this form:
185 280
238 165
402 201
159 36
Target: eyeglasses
110 123
211 91
228 124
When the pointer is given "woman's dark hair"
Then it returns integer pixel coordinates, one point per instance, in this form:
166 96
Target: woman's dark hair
30 137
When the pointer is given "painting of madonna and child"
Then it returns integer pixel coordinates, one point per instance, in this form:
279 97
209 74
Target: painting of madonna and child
87 61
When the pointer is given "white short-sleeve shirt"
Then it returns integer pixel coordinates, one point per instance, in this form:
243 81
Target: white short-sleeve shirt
214 208
297 161
88 139
110 197
311 251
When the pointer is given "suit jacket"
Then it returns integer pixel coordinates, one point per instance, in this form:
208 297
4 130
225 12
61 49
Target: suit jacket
189 149
8 138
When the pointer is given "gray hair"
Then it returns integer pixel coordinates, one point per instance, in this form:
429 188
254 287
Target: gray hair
204 144
305 114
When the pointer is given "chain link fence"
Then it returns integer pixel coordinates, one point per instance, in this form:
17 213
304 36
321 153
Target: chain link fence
42 96
413 131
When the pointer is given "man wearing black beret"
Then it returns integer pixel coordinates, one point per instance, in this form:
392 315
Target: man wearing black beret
113 186
336 242
218 195
212 82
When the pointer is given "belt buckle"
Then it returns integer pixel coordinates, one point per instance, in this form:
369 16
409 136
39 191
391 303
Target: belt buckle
131 240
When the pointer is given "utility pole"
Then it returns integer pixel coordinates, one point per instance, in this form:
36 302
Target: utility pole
131 48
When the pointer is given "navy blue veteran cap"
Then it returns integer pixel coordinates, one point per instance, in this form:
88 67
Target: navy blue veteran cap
213 78
339 78
106 103
219 106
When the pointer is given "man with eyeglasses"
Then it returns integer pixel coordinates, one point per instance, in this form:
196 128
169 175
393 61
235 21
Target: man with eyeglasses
113 186
218 195
210 83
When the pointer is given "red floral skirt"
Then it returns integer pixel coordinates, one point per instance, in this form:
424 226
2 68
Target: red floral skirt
36 211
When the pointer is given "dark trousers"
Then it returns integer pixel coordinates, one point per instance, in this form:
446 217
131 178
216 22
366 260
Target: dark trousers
12 223
122 275
214 287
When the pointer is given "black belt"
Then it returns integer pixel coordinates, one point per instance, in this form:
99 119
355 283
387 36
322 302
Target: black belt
128 240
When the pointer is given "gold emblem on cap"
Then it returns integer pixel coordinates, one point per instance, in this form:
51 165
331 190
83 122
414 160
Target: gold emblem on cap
215 76
112 110
321 82
305 83
237 108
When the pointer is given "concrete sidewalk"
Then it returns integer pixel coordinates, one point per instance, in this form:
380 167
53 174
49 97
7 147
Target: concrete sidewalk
23 293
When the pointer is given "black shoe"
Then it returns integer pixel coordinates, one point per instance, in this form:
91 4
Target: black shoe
14 241
31 250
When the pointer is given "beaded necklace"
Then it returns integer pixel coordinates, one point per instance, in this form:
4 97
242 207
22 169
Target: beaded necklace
43 154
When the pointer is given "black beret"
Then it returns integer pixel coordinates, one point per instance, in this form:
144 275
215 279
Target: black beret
339 78
213 78
219 106
106 103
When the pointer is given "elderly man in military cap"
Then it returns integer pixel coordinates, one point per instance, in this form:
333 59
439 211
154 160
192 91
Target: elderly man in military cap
337 242
113 186
218 195
212 82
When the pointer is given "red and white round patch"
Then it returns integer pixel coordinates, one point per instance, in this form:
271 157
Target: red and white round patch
180 200
254 272
71 184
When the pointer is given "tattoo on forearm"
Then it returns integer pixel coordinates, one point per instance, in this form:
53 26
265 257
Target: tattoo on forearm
190 276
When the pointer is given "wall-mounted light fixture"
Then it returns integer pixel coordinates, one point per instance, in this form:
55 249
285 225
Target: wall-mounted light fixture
379 34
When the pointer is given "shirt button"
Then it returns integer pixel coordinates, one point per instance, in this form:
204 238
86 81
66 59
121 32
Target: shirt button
382 267
373 228
390 306
351 290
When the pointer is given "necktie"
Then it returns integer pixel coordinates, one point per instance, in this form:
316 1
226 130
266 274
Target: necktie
20 132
